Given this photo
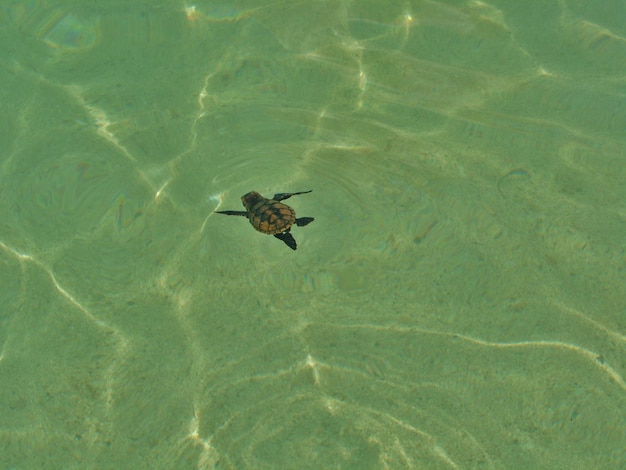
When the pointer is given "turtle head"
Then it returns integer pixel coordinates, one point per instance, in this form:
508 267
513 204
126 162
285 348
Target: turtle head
250 199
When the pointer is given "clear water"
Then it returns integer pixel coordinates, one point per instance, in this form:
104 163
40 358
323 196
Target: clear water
459 301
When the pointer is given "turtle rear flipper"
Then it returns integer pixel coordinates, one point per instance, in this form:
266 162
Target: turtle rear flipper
302 221
288 239
244 213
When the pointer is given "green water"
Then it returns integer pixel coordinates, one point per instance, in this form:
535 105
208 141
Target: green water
458 302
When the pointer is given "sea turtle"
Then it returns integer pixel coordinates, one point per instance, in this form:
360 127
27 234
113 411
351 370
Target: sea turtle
271 216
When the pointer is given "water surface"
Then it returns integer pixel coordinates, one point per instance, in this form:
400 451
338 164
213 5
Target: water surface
457 303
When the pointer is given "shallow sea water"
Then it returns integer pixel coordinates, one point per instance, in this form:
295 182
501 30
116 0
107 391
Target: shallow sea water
458 301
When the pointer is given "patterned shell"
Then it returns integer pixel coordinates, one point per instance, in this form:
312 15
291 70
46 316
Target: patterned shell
267 215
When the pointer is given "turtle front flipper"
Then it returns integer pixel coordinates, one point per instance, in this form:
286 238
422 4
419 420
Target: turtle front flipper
244 213
283 196
302 221
288 239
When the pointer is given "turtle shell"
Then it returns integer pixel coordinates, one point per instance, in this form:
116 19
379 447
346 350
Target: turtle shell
267 215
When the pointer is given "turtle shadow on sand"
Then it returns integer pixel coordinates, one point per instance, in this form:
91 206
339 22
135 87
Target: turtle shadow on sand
270 216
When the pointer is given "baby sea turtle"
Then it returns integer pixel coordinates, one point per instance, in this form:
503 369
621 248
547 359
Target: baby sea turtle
271 216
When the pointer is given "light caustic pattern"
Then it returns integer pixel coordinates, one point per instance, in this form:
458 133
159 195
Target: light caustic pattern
458 302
